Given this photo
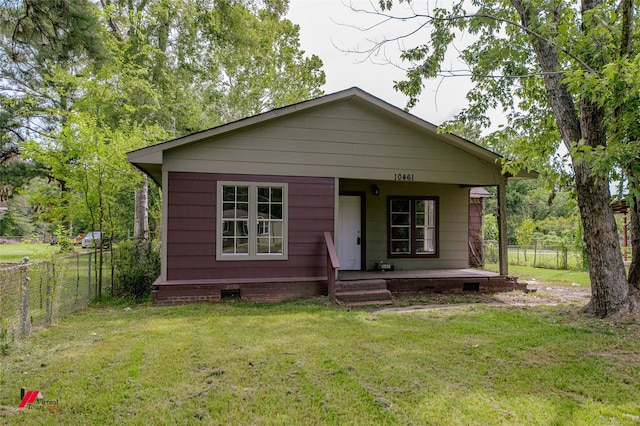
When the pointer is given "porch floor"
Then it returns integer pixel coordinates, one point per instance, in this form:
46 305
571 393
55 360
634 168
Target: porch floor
430 280
422 273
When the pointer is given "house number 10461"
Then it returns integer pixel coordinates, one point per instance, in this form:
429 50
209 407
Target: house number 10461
403 176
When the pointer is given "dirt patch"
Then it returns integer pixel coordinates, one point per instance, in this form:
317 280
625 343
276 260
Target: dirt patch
535 294
8 411
540 293
8 241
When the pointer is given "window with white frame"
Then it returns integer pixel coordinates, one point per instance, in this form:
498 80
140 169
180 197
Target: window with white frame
413 227
252 220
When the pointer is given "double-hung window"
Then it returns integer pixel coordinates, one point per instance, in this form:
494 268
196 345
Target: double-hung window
413 227
252 221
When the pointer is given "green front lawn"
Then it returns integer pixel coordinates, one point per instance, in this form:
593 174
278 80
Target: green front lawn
34 251
551 276
13 253
312 363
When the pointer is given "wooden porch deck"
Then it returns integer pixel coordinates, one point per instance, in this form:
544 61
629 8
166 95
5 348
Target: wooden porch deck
422 273
433 280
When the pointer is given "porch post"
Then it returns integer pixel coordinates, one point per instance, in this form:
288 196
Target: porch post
502 227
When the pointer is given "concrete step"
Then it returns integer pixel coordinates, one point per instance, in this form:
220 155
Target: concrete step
369 303
363 285
365 297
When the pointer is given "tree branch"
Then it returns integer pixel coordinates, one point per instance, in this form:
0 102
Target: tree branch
430 18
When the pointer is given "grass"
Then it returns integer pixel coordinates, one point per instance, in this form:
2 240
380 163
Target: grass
556 277
12 253
312 363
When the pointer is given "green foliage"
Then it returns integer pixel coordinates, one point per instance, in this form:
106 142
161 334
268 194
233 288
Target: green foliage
524 234
553 210
37 39
491 253
138 267
580 246
5 342
558 226
490 223
118 76
62 237
14 173
18 219
61 29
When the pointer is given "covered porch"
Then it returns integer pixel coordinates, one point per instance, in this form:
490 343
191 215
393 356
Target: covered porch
383 250
410 226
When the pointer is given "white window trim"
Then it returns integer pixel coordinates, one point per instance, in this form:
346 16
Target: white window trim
253 223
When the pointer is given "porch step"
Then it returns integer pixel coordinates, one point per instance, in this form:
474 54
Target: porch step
371 284
363 292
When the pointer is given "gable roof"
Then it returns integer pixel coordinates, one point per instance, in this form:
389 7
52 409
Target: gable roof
150 159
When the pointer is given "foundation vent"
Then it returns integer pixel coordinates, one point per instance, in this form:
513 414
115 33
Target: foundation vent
470 286
232 294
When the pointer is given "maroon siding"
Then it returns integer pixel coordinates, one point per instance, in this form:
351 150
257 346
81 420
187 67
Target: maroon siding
191 233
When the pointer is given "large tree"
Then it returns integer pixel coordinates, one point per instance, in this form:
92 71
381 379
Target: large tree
562 73
181 66
37 38
205 62
83 82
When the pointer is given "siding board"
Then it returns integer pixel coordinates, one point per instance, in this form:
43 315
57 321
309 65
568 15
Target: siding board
191 186
358 159
191 199
190 223
190 211
473 175
346 140
191 234
191 237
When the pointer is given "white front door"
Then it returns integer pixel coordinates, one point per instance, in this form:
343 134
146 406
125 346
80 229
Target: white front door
349 233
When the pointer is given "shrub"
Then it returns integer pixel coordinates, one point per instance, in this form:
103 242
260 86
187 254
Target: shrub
137 265
5 340
491 252
62 238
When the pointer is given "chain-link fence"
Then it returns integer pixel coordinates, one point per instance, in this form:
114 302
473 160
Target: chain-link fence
537 255
36 294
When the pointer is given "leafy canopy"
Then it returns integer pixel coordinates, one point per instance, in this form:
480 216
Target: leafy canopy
508 77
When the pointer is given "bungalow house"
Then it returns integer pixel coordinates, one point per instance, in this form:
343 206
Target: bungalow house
345 186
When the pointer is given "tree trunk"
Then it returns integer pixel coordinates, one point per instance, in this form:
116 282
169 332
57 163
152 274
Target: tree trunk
609 287
626 50
634 225
101 247
141 221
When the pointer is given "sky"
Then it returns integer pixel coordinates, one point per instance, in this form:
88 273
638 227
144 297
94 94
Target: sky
327 30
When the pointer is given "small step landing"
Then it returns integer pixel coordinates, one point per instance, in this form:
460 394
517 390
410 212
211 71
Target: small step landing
363 292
